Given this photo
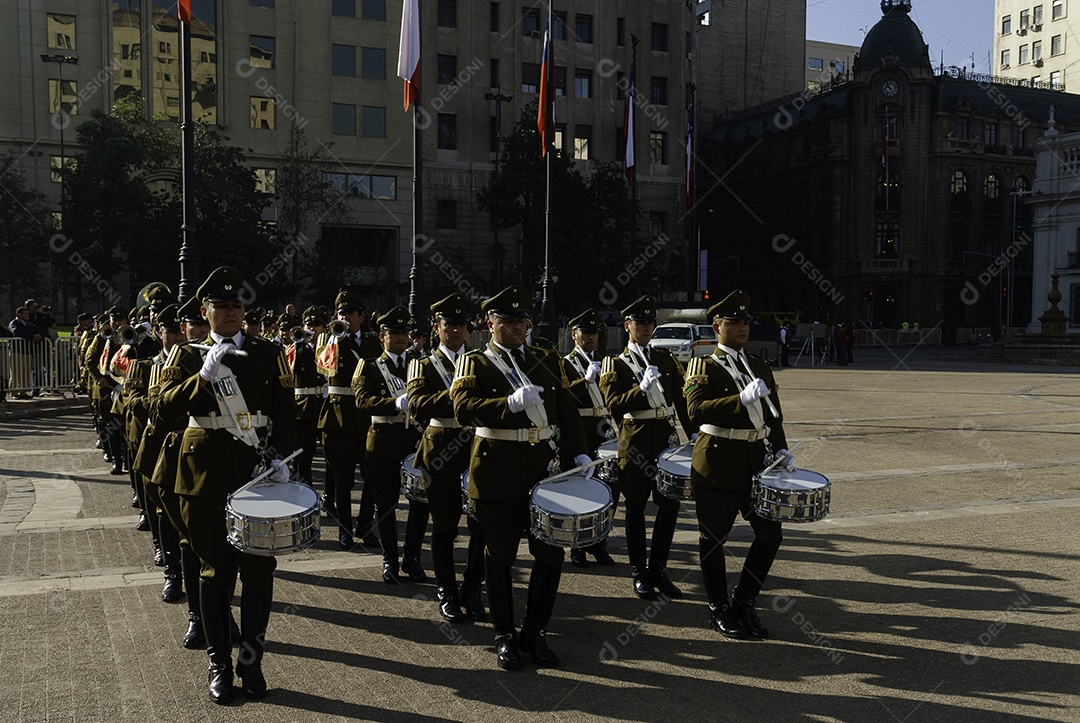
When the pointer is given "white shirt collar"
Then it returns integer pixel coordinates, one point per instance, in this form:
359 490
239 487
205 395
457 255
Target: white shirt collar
507 349
451 355
238 338
729 351
634 346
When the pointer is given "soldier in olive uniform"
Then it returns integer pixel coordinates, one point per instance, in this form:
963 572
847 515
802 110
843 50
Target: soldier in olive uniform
515 395
192 324
98 357
582 367
733 398
643 389
344 428
443 457
231 428
380 388
309 388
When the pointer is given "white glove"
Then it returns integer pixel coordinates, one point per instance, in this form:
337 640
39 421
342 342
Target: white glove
528 396
402 403
279 471
583 459
753 391
212 362
649 378
788 462
593 372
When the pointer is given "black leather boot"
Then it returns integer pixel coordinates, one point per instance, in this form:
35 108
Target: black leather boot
725 621
254 618
599 551
391 572
442 562
659 579
501 596
450 606
194 638
643 586
190 569
577 557
116 451
543 587
744 610
173 589
415 526
215 609
159 556
473 579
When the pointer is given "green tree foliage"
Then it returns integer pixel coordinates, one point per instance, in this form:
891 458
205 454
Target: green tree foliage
25 229
592 218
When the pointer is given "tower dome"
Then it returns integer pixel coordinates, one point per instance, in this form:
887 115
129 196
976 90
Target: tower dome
897 33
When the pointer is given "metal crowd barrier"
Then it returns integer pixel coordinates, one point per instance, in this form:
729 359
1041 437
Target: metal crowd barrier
30 367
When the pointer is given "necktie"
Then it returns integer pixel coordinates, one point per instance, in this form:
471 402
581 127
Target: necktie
228 340
399 367
519 357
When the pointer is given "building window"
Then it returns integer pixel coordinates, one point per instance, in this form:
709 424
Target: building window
888 193
1006 57
658 90
659 37
657 148
560 80
262 113
657 224
60 30
1055 45
265 178
582 137
493 134
383 187
530 23
530 78
493 67
888 239
343 119
261 51
992 187
1036 81
373 121
65 99
373 65
583 28
1057 10
343 8
493 13
1036 50
620 32
55 164
351 184
1023 54
1036 15
990 134
559 29
448 131
582 83
374 9
1025 19
1006 25
447 13
815 64
963 128
343 60
446 216
446 69
1017 137
959 182
560 136
837 67
1055 79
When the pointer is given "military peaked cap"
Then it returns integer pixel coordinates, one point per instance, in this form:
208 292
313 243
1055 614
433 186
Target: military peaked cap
513 302
735 305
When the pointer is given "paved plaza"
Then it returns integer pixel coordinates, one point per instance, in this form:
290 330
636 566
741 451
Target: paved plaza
944 586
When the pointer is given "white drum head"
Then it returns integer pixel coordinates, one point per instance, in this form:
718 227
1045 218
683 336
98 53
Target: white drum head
574 495
801 480
408 467
274 500
676 460
608 449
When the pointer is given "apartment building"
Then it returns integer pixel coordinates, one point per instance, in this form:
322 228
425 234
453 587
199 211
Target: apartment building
1033 42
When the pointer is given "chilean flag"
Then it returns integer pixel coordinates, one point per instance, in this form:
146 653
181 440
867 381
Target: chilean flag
545 117
183 11
408 64
628 124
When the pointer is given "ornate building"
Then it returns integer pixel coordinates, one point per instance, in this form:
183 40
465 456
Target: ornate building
883 197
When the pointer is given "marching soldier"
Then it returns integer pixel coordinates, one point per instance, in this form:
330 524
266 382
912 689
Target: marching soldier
98 357
582 368
380 388
443 457
344 428
733 397
643 389
192 324
239 412
515 395
309 386
87 361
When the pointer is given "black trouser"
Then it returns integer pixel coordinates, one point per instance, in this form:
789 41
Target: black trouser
636 484
716 510
307 435
342 450
189 561
164 532
445 500
384 478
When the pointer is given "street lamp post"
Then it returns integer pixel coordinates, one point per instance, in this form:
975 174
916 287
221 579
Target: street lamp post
497 250
61 60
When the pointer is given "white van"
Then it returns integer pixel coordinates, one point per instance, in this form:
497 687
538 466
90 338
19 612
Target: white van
685 340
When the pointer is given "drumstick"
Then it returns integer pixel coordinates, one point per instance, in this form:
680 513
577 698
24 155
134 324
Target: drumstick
676 450
231 350
778 460
570 472
266 474
768 397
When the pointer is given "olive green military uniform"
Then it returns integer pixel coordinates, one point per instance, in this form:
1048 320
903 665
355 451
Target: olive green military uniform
309 395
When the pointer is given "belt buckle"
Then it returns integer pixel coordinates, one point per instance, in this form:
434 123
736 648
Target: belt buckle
598 411
661 412
245 422
534 435
753 436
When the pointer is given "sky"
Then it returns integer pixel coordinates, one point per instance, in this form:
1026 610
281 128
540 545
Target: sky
957 28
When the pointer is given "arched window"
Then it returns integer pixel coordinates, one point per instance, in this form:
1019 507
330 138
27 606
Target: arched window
1021 183
959 182
992 187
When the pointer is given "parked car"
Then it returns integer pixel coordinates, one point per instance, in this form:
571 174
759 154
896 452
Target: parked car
685 340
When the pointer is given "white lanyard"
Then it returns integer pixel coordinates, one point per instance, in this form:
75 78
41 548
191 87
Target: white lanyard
517 378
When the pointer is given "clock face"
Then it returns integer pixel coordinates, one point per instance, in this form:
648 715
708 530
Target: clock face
890 88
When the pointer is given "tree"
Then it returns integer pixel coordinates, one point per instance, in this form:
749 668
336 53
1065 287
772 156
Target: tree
25 229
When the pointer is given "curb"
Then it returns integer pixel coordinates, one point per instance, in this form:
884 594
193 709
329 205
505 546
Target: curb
43 408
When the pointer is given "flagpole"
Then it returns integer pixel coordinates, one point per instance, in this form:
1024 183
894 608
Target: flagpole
417 211
410 70
189 254
632 131
547 307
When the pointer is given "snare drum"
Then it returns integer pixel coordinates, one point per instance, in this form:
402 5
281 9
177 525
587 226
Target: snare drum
466 503
574 512
412 481
673 472
271 518
799 496
608 470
